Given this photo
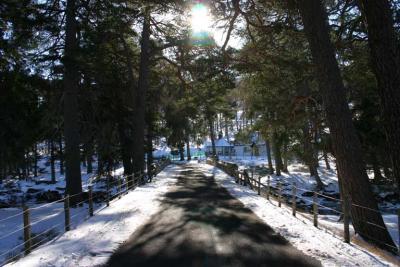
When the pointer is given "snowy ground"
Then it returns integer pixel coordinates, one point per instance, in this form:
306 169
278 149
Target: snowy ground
91 242
330 250
298 174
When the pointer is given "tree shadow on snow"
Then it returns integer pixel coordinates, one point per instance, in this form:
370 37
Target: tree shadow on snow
201 224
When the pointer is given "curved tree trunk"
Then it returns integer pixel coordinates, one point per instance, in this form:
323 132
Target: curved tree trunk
325 155
309 156
346 144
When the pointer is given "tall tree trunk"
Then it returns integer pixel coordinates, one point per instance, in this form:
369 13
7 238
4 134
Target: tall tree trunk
35 161
126 127
89 157
182 151
226 128
285 157
189 157
268 148
276 146
212 136
385 52
126 144
140 96
149 150
71 118
61 155
52 162
345 141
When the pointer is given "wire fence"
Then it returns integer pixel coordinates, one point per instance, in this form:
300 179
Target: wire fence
116 186
293 196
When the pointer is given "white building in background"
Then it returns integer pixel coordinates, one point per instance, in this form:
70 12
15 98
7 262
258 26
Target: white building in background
222 147
234 149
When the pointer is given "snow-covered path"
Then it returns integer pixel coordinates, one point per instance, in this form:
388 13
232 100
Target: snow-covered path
93 241
201 224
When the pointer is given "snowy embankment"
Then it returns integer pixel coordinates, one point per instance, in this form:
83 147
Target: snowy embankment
92 242
329 208
330 250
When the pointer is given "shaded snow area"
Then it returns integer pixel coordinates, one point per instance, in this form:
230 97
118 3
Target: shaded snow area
91 242
33 190
325 247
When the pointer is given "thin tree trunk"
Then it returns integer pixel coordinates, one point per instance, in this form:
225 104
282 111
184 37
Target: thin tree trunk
35 160
268 147
127 125
345 141
149 150
385 52
61 155
325 155
212 137
71 118
226 129
52 162
276 146
189 157
182 151
140 96
89 157
309 155
285 157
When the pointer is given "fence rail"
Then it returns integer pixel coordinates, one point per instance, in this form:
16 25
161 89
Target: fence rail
122 185
246 178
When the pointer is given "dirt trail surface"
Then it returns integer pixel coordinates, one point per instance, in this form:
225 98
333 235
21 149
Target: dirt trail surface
201 224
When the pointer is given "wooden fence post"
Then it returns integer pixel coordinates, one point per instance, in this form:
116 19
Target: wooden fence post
279 194
259 185
346 218
268 186
90 201
315 209
294 204
27 230
67 225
